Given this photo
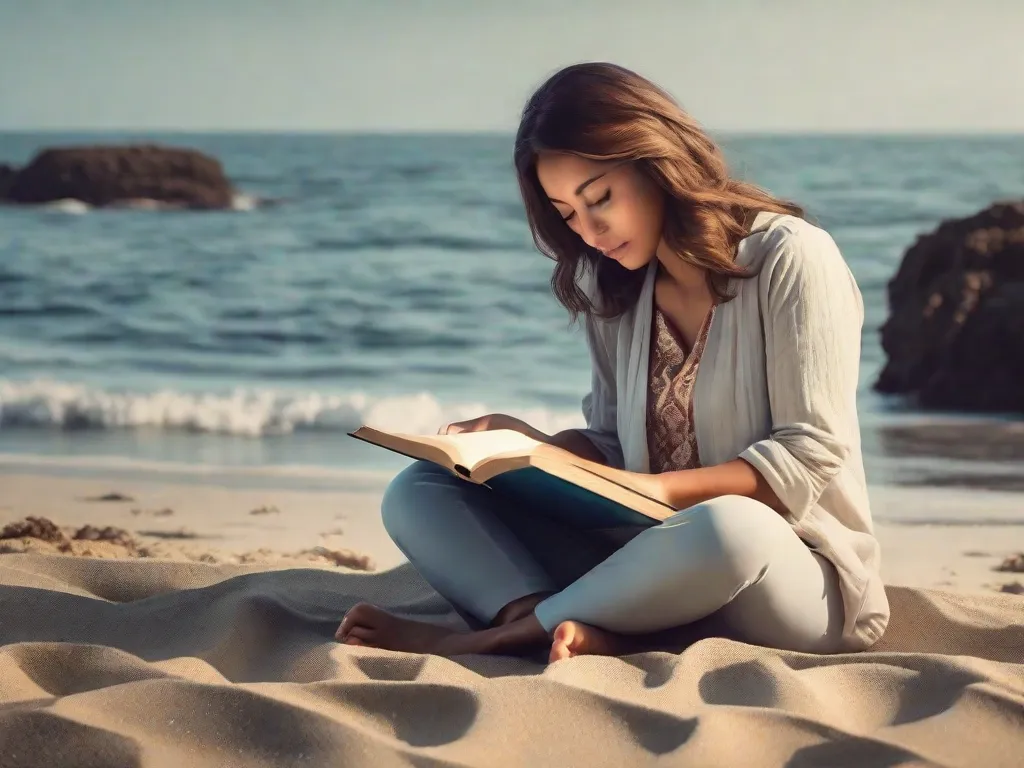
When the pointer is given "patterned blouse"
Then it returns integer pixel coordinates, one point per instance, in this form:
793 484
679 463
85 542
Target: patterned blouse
671 438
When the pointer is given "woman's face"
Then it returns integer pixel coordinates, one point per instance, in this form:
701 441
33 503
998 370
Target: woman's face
610 204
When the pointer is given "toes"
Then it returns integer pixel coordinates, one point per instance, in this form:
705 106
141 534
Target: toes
358 615
561 641
564 633
364 634
557 653
344 628
359 635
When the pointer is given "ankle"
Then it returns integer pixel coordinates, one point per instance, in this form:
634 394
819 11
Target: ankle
520 635
519 608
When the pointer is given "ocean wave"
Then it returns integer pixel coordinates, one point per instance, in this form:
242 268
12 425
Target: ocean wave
342 477
48 404
240 201
68 205
438 242
58 308
244 202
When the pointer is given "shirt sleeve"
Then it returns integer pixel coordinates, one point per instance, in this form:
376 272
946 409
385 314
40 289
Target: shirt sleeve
600 404
812 312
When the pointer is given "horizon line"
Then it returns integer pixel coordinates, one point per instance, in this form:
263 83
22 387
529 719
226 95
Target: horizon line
495 132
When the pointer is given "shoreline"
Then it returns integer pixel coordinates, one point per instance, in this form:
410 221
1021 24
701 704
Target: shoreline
926 539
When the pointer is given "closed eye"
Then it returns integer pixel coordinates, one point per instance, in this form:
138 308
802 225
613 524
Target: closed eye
605 198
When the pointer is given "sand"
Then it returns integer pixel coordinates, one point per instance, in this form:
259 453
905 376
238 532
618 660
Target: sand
203 636
228 525
217 524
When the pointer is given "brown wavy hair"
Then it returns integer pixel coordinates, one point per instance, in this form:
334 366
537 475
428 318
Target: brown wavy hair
603 111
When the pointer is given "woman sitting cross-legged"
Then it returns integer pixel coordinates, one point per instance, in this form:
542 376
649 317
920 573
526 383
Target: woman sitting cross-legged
724 332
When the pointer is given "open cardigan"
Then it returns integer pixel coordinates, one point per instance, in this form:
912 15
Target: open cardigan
777 387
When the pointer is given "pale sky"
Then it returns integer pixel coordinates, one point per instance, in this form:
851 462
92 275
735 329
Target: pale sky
460 65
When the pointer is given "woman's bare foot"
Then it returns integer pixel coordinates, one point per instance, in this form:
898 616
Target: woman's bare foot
366 624
574 638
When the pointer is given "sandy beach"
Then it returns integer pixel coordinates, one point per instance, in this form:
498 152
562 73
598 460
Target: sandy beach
210 523
217 524
195 627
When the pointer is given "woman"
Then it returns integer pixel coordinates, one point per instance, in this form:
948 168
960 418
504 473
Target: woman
724 333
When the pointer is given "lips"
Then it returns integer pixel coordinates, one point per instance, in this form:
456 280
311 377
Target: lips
616 251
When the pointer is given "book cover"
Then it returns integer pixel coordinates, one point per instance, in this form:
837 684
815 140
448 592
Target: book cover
541 493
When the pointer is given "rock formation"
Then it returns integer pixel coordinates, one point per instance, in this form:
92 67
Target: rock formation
7 174
102 176
955 335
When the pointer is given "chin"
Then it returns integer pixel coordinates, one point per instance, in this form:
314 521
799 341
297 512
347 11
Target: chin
634 263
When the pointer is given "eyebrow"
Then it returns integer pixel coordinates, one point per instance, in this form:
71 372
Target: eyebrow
581 187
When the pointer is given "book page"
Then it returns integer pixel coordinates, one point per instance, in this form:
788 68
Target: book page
474 447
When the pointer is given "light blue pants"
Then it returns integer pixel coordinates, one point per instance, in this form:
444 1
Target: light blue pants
731 565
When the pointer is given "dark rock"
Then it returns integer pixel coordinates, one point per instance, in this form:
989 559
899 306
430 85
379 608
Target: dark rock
181 533
7 174
134 175
107 533
343 557
1013 564
955 335
112 496
41 528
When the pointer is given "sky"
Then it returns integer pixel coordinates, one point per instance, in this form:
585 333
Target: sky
890 66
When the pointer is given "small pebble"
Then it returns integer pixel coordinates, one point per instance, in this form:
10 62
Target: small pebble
1013 564
113 496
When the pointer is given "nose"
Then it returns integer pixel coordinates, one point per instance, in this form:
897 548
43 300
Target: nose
591 229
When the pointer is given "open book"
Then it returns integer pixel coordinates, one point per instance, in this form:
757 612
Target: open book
541 477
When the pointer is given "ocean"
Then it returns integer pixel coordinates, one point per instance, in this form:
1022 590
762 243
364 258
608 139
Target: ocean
391 280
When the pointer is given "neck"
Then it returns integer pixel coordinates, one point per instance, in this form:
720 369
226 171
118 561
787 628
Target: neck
679 273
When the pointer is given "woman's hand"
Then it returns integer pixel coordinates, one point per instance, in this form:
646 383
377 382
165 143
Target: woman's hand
490 422
651 485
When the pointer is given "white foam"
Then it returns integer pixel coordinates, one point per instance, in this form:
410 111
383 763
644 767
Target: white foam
239 202
68 205
32 462
46 403
243 202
